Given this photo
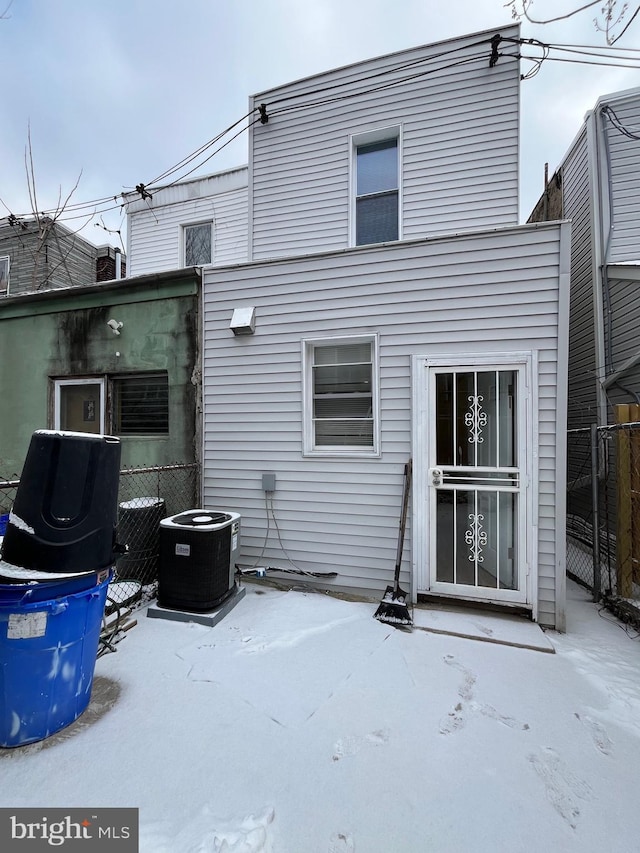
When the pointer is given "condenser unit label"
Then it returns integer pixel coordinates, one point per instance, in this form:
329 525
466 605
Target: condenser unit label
183 550
234 543
26 626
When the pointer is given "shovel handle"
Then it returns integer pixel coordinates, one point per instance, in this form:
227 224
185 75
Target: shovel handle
408 471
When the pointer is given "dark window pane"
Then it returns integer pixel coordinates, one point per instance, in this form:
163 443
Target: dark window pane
197 245
377 219
342 379
377 167
141 405
444 419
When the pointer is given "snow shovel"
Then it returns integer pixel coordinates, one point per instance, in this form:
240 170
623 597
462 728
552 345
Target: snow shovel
393 607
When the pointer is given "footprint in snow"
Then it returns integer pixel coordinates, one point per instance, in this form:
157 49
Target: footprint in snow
454 720
490 711
341 843
352 744
563 788
601 739
465 691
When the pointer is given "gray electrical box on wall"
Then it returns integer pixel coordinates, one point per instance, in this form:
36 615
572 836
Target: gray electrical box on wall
269 482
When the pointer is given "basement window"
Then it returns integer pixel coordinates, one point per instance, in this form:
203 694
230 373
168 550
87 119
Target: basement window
341 396
140 404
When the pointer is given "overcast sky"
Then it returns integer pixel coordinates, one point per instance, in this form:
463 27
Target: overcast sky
124 89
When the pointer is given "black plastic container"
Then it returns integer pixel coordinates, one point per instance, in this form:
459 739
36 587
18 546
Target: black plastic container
139 529
64 515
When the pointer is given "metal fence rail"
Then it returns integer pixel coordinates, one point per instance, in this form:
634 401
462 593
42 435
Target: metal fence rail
145 496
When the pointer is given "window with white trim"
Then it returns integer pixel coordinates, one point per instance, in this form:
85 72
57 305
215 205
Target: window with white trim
4 274
79 405
198 244
341 396
376 187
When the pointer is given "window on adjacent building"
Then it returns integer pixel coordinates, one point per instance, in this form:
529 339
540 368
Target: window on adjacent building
341 396
140 404
79 405
377 188
198 244
4 274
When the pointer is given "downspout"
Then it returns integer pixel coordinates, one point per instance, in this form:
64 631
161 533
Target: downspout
597 262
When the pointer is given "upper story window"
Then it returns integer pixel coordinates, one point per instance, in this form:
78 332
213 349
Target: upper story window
377 187
198 244
4 275
341 396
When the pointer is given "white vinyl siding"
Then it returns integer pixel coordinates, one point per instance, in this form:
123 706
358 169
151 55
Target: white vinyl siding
487 291
460 125
156 228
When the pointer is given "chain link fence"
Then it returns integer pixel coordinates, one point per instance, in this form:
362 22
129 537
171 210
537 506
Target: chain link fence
146 495
603 515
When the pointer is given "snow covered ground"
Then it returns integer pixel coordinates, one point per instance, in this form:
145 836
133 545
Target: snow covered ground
300 724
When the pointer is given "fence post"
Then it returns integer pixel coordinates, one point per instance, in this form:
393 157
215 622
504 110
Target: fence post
624 532
595 508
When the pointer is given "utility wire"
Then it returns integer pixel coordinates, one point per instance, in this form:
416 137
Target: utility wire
190 157
608 60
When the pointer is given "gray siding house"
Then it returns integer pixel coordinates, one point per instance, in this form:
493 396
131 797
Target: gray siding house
390 307
598 183
43 254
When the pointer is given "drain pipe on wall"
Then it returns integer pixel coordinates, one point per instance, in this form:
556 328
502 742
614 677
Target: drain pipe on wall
597 263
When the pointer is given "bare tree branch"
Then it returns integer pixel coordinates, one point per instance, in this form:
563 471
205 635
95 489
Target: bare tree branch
613 13
45 223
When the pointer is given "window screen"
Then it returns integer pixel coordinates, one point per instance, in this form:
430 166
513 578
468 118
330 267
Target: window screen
141 404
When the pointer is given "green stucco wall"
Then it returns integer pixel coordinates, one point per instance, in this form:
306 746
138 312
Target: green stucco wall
67 336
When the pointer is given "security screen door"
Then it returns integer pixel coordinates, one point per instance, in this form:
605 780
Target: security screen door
475 482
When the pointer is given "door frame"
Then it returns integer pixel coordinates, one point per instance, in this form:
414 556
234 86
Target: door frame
421 437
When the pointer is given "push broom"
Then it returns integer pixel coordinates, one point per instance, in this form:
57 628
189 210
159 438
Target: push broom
393 607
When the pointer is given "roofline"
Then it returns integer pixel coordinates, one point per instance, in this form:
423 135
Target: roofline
115 285
396 53
133 194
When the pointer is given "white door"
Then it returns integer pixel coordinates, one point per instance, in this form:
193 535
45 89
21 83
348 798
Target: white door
474 469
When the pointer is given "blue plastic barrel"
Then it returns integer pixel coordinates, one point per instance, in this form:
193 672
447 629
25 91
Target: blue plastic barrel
48 653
